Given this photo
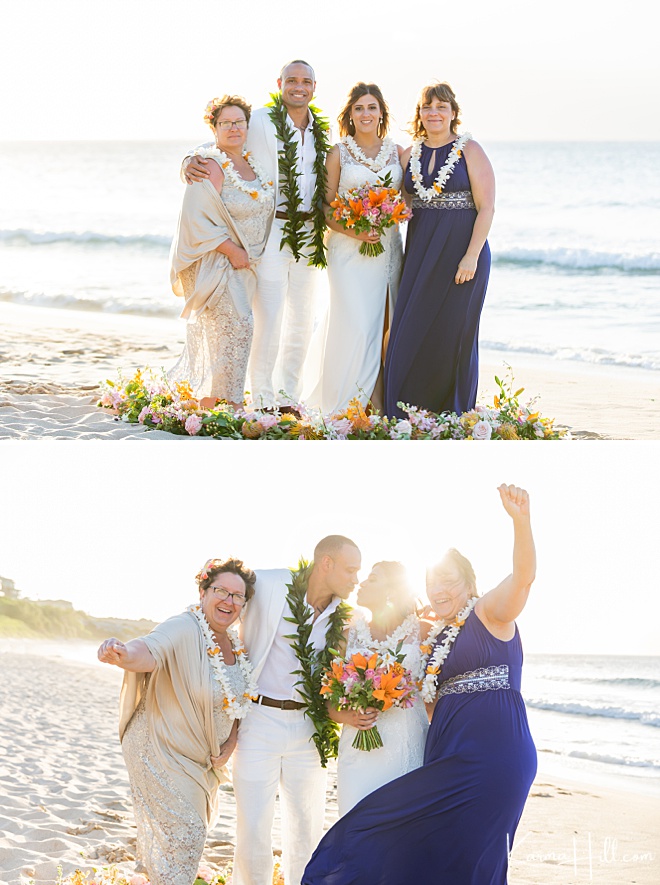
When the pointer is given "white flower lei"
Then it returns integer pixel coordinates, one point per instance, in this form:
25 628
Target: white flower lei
364 638
234 707
427 193
379 162
264 192
434 664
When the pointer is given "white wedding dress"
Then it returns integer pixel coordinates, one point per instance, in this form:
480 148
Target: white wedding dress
403 731
345 355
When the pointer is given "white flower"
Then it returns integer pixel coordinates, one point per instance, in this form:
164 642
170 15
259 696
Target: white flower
401 430
482 430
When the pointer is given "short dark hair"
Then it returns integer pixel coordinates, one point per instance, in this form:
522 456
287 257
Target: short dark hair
214 567
297 61
332 544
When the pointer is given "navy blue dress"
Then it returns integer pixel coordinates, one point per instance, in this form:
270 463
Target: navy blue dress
452 821
433 358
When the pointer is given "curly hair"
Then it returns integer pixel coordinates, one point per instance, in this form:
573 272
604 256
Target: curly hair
215 107
214 567
441 91
346 125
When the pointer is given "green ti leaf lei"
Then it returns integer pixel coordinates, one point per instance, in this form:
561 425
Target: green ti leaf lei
294 233
314 663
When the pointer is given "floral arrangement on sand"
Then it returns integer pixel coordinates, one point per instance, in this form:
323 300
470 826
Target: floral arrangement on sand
110 875
157 404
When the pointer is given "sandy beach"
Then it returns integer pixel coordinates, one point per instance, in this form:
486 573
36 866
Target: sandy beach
64 795
51 362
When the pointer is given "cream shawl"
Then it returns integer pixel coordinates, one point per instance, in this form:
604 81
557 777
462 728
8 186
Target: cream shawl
179 709
205 223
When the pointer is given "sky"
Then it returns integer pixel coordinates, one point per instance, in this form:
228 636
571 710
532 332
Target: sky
122 528
144 69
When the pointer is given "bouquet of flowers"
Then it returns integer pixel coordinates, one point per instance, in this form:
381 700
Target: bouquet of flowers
370 209
379 681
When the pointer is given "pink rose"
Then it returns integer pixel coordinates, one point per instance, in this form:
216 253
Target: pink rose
268 420
482 430
138 879
193 424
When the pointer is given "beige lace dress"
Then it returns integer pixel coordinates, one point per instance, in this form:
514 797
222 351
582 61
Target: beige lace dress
170 832
218 341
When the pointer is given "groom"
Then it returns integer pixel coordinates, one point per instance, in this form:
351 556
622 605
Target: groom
289 140
278 745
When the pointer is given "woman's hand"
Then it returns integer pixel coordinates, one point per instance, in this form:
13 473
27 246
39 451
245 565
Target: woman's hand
134 655
238 257
371 237
361 719
466 269
225 754
227 748
514 500
112 651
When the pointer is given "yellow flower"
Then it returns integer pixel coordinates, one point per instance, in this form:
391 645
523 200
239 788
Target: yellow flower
507 431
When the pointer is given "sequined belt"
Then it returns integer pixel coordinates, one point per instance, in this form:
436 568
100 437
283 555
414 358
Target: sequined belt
483 679
450 200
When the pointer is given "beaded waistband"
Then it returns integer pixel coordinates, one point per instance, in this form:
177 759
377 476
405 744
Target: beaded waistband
450 200
483 679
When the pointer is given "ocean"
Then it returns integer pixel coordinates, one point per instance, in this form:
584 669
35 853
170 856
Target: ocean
575 242
591 716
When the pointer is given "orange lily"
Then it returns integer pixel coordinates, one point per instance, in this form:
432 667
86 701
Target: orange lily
361 663
388 691
357 207
378 197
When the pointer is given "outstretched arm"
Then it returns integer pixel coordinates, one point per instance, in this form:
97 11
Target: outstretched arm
502 605
134 655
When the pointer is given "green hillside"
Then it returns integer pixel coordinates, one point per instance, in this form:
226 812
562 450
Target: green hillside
57 619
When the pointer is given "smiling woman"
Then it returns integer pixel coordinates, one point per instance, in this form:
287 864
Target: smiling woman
186 686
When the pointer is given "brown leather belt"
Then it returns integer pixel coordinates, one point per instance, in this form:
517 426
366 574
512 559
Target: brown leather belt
281 705
306 216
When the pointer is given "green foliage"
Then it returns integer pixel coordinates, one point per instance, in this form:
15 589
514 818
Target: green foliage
294 232
314 664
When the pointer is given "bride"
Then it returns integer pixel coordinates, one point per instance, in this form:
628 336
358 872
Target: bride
346 355
359 772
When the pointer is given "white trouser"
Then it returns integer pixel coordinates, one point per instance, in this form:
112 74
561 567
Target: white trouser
275 750
283 310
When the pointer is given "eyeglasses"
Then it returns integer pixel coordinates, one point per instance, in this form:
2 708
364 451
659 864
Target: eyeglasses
229 124
222 594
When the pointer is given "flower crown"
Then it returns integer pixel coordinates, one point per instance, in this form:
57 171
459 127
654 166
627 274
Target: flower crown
210 109
209 565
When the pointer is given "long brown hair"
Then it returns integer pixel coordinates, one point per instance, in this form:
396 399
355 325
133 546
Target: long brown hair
346 125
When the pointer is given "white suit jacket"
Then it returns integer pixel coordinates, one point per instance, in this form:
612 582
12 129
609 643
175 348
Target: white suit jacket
264 613
262 143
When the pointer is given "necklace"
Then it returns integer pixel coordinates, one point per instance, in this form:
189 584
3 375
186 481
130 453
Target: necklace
408 628
294 233
427 193
314 663
265 190
233 706
379 162
437 659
